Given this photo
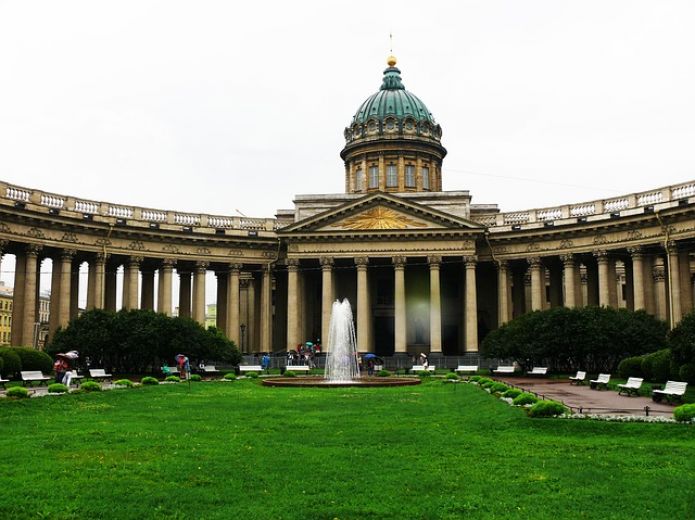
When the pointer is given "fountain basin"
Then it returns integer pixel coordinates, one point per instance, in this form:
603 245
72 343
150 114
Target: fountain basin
321 382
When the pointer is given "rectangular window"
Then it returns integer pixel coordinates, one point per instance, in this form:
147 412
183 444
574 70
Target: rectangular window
409 176
359 179
426 178
373 177
391 176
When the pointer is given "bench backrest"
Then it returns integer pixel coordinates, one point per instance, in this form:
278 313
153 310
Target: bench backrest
539 370
580 375
505 369
634 382
675 387
97 372
422 368
603 378
467 368
32 374
209 368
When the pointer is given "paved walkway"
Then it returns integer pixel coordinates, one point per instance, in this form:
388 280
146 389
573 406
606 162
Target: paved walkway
590 401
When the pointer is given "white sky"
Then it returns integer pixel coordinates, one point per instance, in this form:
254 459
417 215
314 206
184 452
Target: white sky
222 106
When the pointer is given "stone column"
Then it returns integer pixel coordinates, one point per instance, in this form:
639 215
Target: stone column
164 294
30 285
110 273
471 306
686 283
253 332
569 280
147 292
537 283
637 277
326 297
435 305
91 280
131 288
74 290
221 301
400 315
184 293
199 292
292 303
266 343
604 295
233 323
54 309
502 292
612 283
65 279
659 275
674 280
18 299
363 310
99 279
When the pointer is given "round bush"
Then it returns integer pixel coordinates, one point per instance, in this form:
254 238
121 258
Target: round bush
12 364
290 373
173 379
687 373
511 393
424 373
684 413
682 340
451 375
90 386
252 375
230 376
657 366
196 377
17 392
34 359
124 382
149 380
475 379
631 367
547 409
498 388
524 398
383 373
57 388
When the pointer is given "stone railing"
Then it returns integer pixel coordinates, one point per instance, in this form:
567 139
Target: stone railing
588 209
133 215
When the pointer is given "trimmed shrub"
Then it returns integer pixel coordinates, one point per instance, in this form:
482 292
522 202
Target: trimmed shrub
657 366
17 392
252 375
383 373
34 359
90 386
230 376
631 367
496 388
547 409
424 373
290 373
173 379
196 377
684 413
12 364
124 382
57 388
687 373
511 393
149 380
475 379
524 398
485 383
682 340
451 375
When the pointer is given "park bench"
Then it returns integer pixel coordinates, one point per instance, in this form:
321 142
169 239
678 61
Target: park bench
601 381
631 387
99 373
71 376
251 368
673 389
33 375
3 381
579 378
538 371
422 368
504 370
467 368
294 368
209 369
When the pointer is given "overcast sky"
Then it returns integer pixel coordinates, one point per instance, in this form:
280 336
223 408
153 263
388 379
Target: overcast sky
223 106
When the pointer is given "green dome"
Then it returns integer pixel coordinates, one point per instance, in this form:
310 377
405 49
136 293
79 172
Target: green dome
393 99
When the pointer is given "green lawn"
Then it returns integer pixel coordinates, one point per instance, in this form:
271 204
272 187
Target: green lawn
239 450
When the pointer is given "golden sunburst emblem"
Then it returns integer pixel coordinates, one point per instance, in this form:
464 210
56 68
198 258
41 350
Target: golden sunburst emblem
380 218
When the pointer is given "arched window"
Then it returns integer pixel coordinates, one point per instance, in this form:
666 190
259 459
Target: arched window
391 176
409 176
359 180
373 177
426 178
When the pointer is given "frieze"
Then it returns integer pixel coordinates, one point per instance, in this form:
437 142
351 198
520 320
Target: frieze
36 233
500 250
69 237
136 245
171 248
234 252
566 244
533 247
4 228
103 242
634 234
600 239
203 251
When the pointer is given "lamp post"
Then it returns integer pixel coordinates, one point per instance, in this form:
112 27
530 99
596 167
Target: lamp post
242 327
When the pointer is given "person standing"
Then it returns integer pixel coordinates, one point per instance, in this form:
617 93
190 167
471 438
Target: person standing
60 366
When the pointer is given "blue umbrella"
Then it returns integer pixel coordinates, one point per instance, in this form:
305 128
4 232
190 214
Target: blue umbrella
370 356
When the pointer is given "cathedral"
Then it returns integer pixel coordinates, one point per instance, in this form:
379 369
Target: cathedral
425 270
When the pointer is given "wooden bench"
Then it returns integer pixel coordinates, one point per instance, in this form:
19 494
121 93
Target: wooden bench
422 368
295 368
33 375
3 381
579 378
504 370
631 387
601 381
538 371
251 368
99 373
210 369
467 368
673 389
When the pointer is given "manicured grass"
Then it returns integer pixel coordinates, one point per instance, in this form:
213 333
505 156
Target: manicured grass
241 450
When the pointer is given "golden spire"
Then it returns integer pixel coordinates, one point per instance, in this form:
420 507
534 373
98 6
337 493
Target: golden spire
391 60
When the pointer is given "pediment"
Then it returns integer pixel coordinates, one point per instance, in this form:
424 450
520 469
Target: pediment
377 213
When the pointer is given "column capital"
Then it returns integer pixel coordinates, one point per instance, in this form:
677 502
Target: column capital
135 261
601 255
235 268
434 261
361 261
672 246
659 273
470 260
502 265
168 263
3 245
636 251
201 266
567 260
534 262
101 258
326 262
67 254
292 264
33 249
399 262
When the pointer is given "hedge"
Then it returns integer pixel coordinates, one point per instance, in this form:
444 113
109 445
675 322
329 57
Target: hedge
12 364
33 359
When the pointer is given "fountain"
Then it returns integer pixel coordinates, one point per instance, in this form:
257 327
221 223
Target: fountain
342 362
